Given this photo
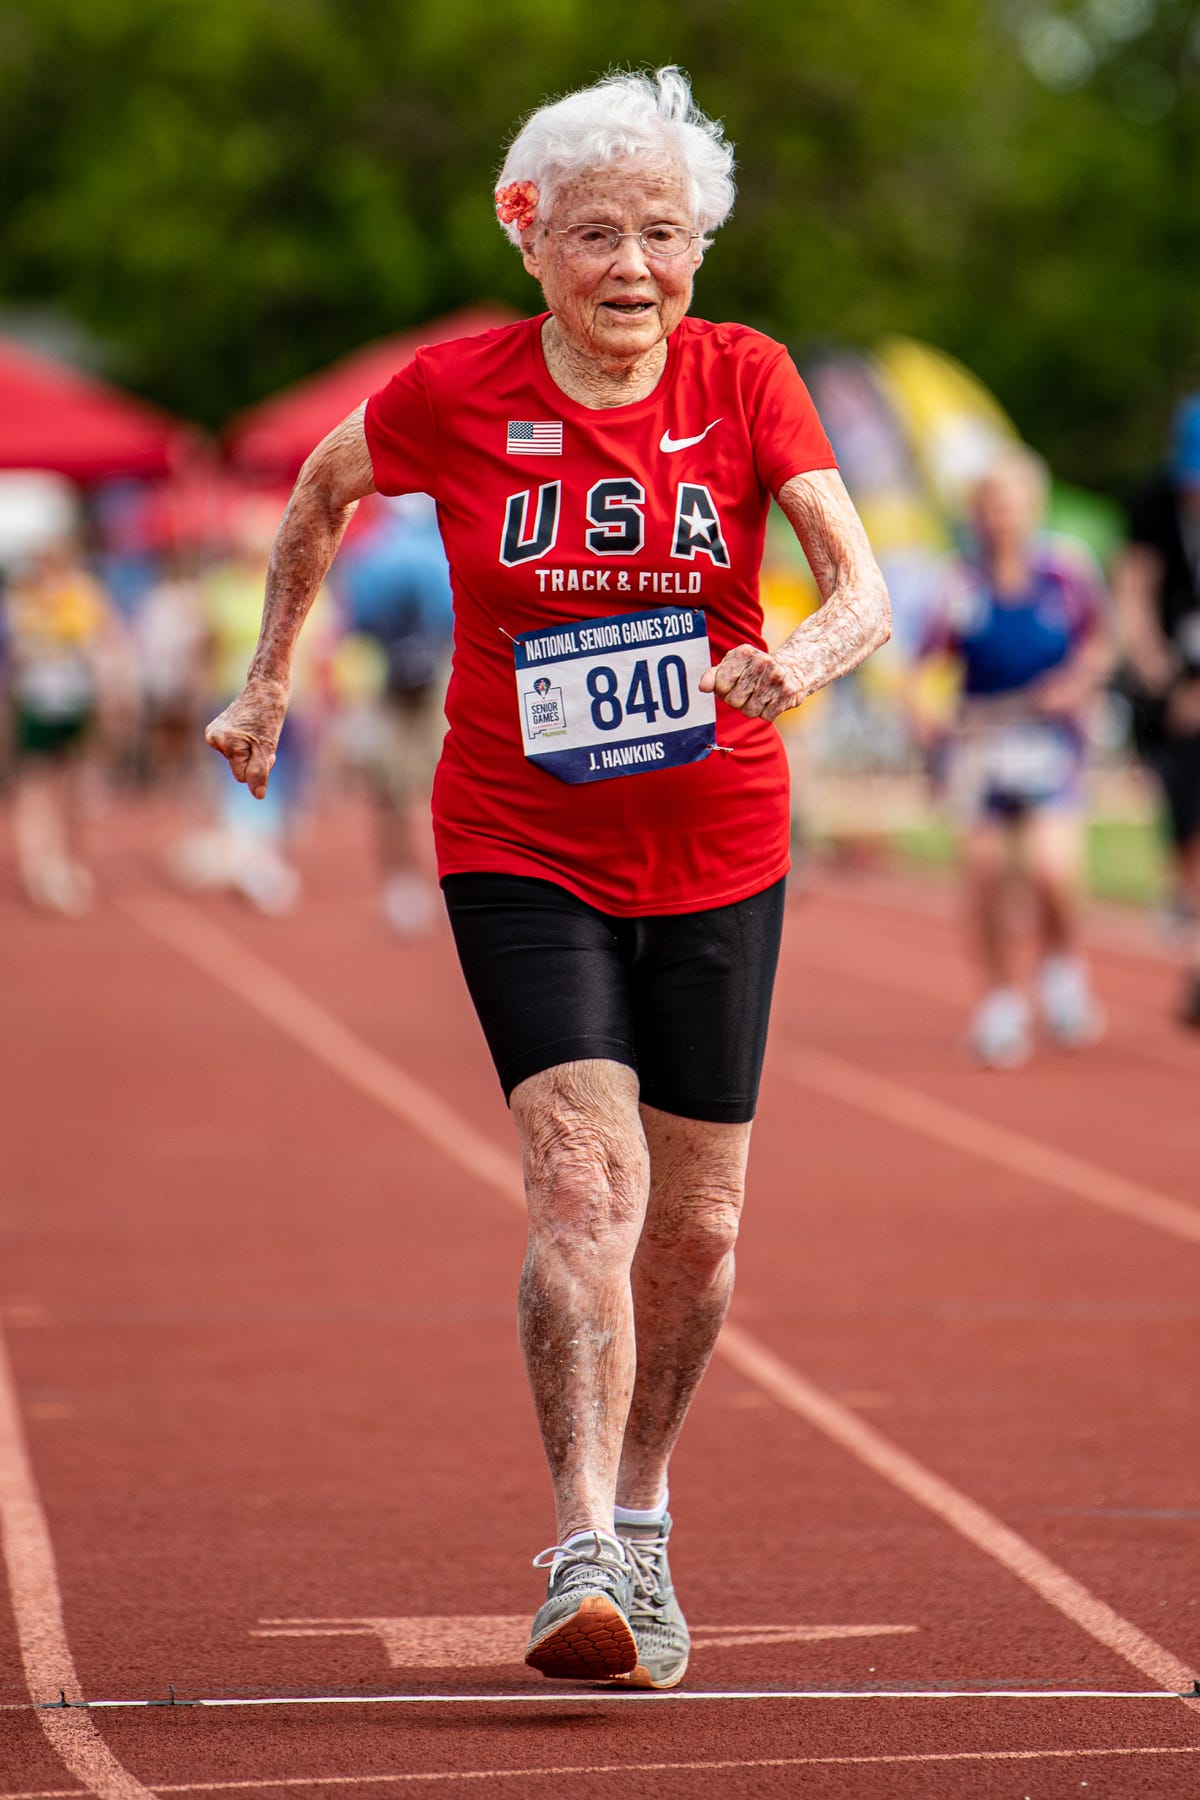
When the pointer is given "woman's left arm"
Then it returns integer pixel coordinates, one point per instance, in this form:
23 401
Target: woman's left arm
1068 689
854 617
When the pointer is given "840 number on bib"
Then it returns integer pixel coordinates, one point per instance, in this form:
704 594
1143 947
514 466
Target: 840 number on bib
670 684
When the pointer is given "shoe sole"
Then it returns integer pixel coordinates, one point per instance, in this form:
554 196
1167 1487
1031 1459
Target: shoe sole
593 1644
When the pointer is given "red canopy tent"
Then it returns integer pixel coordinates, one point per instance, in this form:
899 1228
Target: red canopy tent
269 441
54 417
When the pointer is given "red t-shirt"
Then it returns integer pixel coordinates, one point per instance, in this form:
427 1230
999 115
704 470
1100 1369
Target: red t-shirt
552 512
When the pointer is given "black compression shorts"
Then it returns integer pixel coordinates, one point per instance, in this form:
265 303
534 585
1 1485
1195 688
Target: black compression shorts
682 998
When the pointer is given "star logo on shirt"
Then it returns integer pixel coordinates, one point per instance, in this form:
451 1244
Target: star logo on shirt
698 526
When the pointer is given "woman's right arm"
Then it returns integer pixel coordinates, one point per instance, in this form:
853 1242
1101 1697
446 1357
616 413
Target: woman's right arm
328 489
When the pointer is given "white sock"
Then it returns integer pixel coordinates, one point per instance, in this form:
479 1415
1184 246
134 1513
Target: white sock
629 1515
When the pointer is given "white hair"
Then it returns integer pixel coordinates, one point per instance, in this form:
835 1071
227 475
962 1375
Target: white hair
625 115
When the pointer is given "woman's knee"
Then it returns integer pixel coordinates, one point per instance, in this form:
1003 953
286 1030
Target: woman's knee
584 1154
697 1188
983 854
1056 849
698 1229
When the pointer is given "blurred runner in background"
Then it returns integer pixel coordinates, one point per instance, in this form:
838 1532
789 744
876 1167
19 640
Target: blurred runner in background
64 659
171 644
247 849
1156 586
1024 616
395 588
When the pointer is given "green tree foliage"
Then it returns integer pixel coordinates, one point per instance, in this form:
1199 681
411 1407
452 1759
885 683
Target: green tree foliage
231 192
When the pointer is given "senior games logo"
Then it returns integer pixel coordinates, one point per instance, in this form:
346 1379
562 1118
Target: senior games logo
544 712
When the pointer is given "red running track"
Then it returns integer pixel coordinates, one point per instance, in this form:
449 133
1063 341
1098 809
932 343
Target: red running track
264 1431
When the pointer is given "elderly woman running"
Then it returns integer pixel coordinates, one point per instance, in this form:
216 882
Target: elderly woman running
611 807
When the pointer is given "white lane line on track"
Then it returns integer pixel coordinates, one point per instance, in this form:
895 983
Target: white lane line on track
258 985
654 1768
626 1699
305 1020
959 1129
37 1610
955 1509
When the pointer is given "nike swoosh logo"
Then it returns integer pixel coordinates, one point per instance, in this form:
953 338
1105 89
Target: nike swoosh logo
668 443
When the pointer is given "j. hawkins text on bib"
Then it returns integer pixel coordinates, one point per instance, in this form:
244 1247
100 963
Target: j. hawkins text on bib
600 698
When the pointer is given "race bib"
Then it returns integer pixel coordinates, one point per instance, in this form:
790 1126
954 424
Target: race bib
1027 761
619 696
1022 763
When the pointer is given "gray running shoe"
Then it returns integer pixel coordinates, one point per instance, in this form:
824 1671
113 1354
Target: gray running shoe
1072 1015
582 1632
999 1035
659 1627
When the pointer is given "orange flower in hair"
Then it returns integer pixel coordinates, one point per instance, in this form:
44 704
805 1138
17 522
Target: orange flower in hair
517 204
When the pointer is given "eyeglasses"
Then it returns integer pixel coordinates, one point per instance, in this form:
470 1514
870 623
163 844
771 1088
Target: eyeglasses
594 243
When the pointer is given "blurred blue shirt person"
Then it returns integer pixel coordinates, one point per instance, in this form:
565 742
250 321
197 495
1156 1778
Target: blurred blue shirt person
1023 616
395 589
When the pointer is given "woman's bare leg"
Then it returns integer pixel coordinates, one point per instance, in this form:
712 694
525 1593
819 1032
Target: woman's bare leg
1052 841
682 1283
985 876
586 1182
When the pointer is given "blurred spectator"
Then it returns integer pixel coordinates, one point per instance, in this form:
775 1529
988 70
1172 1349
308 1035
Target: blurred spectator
1156 586
1024 617
395 586
64 659
246 849
171 644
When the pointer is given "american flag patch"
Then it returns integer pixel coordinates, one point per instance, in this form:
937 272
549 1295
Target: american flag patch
535 437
